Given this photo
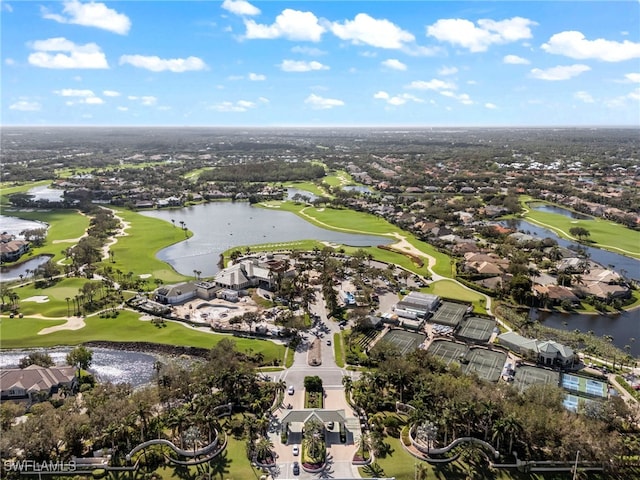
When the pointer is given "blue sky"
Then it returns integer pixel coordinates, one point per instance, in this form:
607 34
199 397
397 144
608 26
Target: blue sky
341 63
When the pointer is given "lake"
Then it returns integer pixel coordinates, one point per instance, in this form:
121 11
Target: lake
8 274
116 366
560 211
219 226
621 327
631 266
15 225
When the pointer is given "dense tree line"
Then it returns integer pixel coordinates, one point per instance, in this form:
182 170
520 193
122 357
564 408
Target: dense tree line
533 423
264 172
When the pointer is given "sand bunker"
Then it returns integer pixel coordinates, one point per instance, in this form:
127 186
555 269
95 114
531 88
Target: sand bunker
74 323
37 299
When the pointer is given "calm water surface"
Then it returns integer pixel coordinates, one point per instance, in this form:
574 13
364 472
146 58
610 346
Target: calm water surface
631 266
621 327
561 211
222 225
116 366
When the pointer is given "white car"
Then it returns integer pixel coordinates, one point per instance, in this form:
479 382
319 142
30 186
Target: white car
290 390
295 450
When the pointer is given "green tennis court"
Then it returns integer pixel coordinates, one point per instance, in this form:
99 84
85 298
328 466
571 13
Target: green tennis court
448 351
476 329
449 313
487 364
526 376
403 341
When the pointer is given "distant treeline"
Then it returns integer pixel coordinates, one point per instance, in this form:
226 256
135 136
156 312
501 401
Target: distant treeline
264 172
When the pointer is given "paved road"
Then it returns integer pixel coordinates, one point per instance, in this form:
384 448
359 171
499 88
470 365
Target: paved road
339 455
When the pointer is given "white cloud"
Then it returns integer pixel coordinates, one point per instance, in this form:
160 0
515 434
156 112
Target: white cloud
91 14
69 55
9 61
396 100
515 60
239 106
320 103
623 100
434 84
366 30
490 106
110 93
444 71
123 109
72 92
574 45
256 77
394 64
301 66
157 64
583 97
79 96
25 106
311 51
6 7
290 24
462 97
632 77
94 101
145 100
466 34
240 7
561 72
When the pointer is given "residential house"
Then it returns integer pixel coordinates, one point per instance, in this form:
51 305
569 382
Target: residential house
35 383
11 249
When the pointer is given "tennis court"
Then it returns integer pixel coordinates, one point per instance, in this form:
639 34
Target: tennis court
526 376
448 351
589 386
449 313
487 364
476 329
404 342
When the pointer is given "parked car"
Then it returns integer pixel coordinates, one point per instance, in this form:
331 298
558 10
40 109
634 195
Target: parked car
295 450
328 342
296 468
290 390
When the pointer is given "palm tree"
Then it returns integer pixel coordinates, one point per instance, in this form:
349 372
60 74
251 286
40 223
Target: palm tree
263 448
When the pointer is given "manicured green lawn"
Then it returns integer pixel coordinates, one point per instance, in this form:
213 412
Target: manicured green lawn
338 349
365 223
606 234
338 178
450 289
232 464
56 306
23 333
309 187
136 251
8 188
65 227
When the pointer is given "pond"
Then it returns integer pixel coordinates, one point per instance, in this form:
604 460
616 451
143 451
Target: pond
219 226
15 225
292 192
116 366
628 266
622 327
560 211
9 274
46 193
